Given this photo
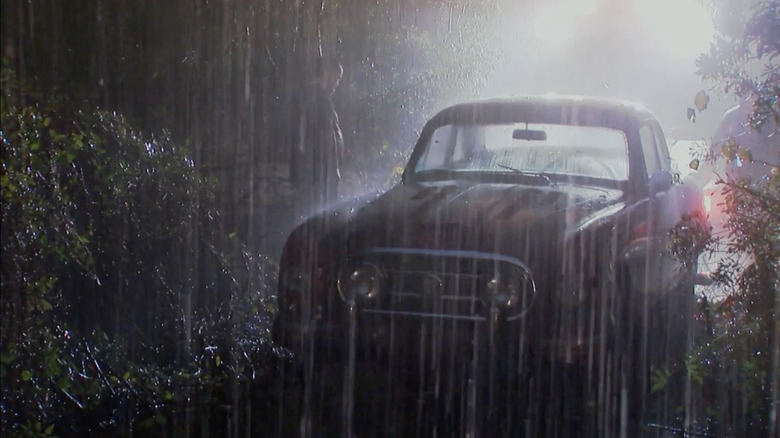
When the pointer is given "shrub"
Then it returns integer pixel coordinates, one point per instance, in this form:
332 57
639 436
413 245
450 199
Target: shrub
119 309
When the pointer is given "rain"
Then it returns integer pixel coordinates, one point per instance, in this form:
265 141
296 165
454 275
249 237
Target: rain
398 218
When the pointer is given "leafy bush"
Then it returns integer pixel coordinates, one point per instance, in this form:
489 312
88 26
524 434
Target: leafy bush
736 360
120 311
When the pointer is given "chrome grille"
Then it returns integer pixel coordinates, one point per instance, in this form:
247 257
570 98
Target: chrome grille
438 283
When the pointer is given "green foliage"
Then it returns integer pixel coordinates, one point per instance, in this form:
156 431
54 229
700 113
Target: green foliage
109 235
87 204
735 362
659 378
690 238
743 59
119 311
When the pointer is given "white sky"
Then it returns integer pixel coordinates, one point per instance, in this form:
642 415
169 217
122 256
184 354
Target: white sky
640 50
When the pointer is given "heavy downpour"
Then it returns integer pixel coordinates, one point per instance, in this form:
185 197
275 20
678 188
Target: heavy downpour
395 218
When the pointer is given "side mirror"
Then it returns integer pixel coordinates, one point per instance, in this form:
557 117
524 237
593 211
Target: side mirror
660 181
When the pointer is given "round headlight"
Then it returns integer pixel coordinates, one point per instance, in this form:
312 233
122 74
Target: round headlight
502 294
363 281
510 288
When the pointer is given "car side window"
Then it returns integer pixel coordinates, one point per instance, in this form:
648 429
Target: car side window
663 150
438 149
649 149
460 153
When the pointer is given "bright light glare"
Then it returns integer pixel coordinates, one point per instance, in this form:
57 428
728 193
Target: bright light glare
683 28
555 25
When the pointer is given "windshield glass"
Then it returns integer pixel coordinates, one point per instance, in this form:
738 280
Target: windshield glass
549 149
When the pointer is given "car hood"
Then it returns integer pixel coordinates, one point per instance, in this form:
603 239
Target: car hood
475 216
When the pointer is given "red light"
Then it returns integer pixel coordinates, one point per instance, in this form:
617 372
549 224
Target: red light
640 230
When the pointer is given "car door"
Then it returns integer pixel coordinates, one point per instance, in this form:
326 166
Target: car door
652 269
665 196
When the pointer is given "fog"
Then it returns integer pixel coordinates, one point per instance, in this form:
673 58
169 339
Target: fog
641 51
169 260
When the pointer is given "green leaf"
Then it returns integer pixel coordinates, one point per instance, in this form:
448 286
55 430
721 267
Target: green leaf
45 304
46 122
659 379
78 140
26 375
64 383
49 430
53 367
658 383
729 150
6 358
745 155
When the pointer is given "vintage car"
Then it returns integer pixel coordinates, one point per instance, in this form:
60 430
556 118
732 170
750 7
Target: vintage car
527 237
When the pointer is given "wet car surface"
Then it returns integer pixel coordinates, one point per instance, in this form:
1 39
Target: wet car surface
518 279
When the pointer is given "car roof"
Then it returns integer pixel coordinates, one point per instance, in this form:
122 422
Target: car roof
535 104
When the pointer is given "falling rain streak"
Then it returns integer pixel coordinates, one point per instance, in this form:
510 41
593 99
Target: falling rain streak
290 218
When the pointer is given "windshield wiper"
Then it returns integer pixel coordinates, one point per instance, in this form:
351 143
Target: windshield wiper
524 173
504 166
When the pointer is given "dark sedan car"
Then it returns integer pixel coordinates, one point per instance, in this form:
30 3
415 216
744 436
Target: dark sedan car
517 279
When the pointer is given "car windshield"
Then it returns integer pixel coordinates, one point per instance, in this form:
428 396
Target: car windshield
527 148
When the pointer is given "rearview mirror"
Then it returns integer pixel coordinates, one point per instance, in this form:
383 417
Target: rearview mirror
529 134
